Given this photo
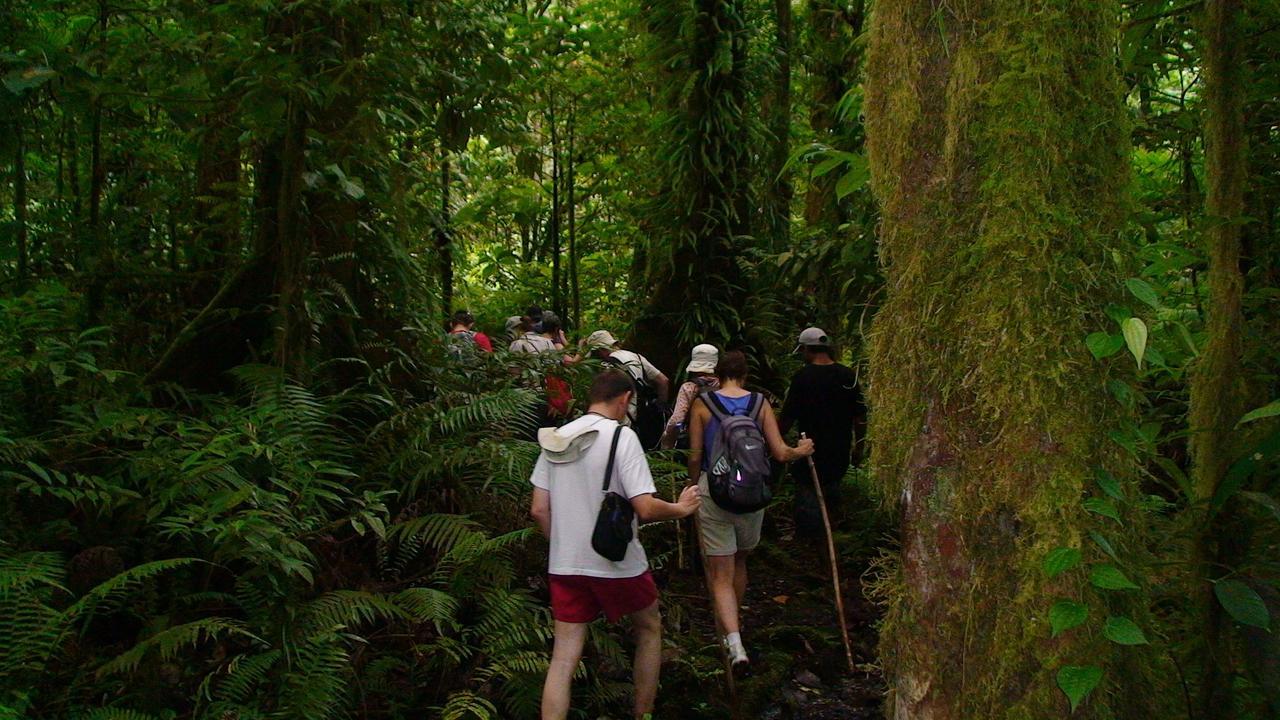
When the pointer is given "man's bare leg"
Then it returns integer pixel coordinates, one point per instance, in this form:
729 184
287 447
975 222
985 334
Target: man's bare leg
647 626
570 637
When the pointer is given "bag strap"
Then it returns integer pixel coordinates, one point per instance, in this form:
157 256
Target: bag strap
754 407
613 449
714 405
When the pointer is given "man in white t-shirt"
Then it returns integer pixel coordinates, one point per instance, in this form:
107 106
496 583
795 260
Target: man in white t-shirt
568 479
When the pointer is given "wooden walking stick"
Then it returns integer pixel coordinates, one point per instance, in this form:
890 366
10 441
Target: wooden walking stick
835 570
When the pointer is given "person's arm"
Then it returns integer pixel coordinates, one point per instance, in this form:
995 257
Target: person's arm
540 509
698 417
651 509
772 435
681 409
661 385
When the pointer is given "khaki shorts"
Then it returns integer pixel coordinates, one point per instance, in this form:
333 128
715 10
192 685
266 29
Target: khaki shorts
724 532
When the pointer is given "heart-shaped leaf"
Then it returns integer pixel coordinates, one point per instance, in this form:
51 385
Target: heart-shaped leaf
1103 345
1123 631
1243 603
1110 577
1059 560
1135 336
1066 614
1078 681
1142 290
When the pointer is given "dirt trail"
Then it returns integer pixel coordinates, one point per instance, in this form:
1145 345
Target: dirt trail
790 629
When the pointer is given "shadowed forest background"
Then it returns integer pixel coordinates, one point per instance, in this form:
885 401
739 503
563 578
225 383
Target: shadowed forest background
244 477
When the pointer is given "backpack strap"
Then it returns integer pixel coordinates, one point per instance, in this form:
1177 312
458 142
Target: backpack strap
754 406
613 450
718 410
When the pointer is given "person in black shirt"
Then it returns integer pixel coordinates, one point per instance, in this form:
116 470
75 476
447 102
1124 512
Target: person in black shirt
824 401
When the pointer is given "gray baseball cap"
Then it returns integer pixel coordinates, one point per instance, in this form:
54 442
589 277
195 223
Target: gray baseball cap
816 337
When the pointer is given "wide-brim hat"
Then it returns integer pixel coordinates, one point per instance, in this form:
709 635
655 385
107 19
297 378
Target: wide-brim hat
560 447
703 358
601 339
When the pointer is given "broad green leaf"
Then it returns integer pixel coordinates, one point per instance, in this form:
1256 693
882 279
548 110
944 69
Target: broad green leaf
1110 577
1123 631
1102 506
1066 614
1135 336
22 80
853 179
1103 345
1271 409
1119 313
1243 603
1060 560
1105 544
826 166
1078 681
1108 483
1142 290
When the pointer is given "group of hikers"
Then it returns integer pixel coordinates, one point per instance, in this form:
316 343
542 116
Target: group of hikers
592 485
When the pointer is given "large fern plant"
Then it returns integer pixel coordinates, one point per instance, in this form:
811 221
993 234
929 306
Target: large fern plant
287 552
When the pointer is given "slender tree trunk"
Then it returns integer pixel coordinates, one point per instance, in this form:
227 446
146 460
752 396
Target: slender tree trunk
573 227
557 303
1217 392
444 239
778 192
103 259
20 194
998 148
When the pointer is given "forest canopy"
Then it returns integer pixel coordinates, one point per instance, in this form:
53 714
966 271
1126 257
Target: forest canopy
246 474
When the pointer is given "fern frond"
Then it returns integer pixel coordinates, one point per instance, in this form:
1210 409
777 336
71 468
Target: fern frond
428 605
349 609
116 714
467 705
114 589
167 643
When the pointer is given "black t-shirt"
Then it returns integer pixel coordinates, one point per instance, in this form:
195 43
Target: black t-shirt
823 402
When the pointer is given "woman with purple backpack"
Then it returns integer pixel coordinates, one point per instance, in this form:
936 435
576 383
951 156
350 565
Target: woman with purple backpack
727 459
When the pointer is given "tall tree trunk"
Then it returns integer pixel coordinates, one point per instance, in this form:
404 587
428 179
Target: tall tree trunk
1217 392
20 194
573 224
778 191
103 259
557 301
444 239
701 53
998 147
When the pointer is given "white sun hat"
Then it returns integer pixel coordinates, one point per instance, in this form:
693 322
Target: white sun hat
703 359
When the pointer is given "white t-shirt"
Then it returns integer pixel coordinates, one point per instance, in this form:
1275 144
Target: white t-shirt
576 495
639 368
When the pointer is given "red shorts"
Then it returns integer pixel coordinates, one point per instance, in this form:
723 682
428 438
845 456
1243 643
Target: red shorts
581 599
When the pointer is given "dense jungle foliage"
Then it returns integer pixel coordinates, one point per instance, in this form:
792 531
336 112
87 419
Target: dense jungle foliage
245 475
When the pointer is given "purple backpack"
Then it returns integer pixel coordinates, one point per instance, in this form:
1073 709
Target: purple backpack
739 469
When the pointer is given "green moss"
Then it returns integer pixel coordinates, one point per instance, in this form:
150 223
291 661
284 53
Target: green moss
998 145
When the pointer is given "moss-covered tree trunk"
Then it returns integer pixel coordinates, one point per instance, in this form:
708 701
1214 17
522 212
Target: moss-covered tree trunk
1217 395
997 139
695 291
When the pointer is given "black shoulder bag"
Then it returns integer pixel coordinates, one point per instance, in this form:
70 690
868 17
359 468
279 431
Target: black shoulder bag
612 533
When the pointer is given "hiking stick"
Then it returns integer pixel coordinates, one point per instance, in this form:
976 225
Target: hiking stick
724 651
835 570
